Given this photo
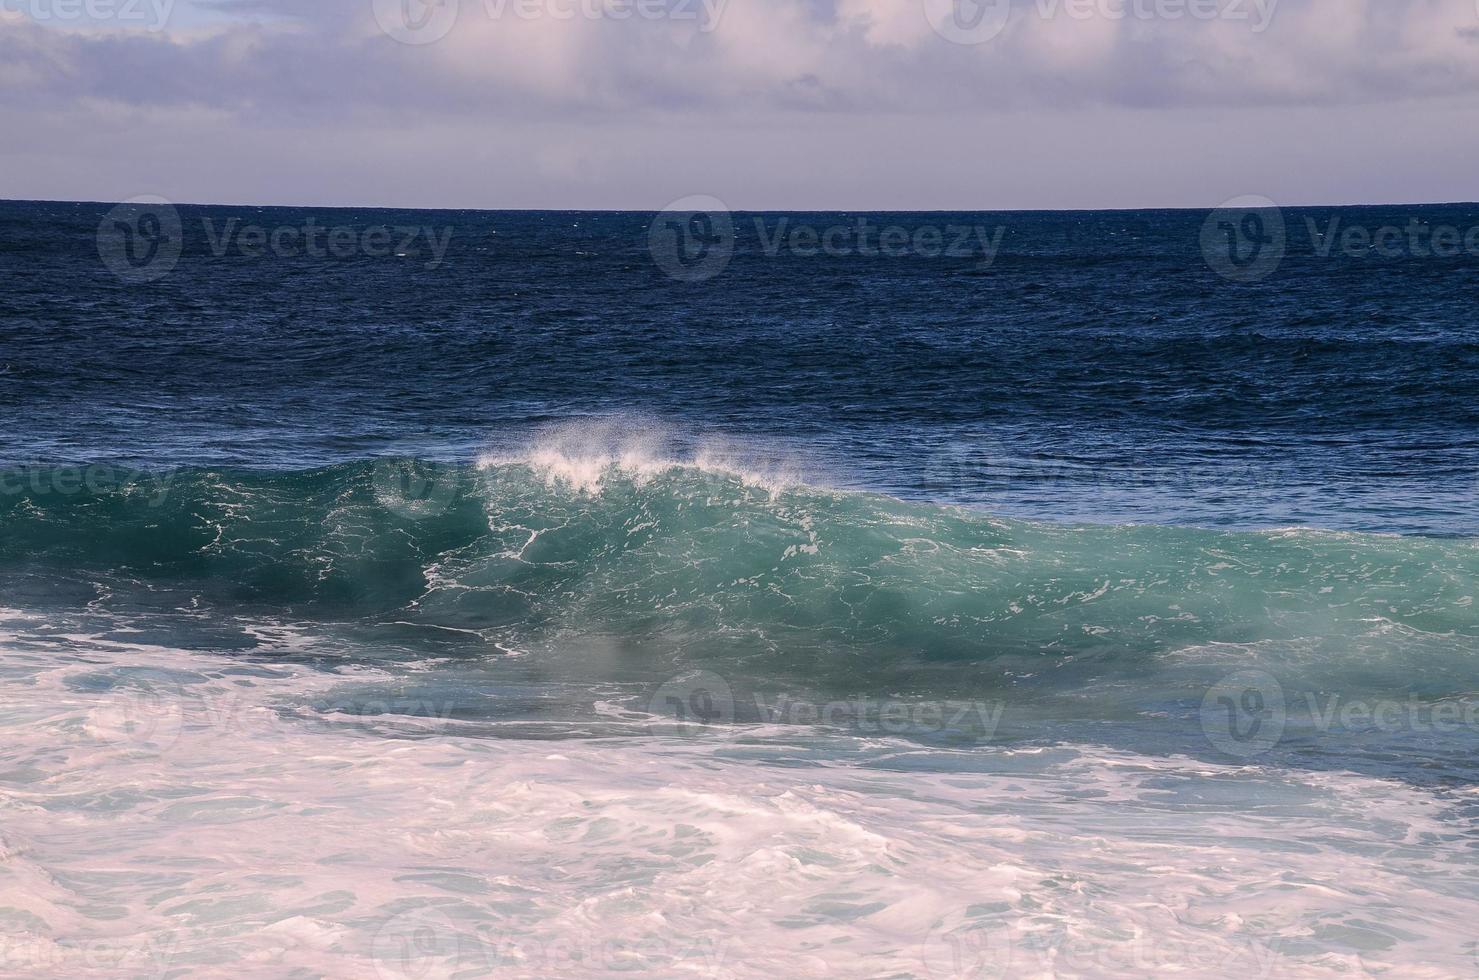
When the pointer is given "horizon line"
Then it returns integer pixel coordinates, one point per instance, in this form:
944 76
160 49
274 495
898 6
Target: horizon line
545 210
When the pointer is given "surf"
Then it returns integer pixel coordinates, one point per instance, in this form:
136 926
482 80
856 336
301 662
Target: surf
713 559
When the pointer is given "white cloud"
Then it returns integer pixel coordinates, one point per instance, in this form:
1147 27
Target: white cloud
768 67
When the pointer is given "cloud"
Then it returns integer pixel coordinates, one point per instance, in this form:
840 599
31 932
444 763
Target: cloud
856 55
736 66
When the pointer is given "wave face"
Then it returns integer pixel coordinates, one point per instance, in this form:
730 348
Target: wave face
709 561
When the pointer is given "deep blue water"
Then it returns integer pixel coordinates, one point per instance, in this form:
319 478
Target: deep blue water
1098 370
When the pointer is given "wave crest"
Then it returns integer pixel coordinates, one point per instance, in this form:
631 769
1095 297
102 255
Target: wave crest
627 552
586 457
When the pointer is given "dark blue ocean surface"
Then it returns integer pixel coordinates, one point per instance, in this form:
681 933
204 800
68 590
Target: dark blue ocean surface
1095 368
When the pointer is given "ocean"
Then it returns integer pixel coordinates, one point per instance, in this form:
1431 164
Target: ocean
457 593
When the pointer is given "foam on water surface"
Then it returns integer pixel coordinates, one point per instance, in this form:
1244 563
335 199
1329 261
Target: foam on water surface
166 812
585 456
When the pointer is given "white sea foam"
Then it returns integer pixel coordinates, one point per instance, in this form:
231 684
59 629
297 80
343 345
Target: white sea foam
586 456
169 811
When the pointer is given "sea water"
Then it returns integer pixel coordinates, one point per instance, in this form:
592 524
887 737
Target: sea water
524 611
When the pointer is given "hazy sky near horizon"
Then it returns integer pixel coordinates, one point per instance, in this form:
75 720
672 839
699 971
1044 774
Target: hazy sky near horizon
785 104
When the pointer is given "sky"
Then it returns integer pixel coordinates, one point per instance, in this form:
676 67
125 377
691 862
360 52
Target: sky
763 104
